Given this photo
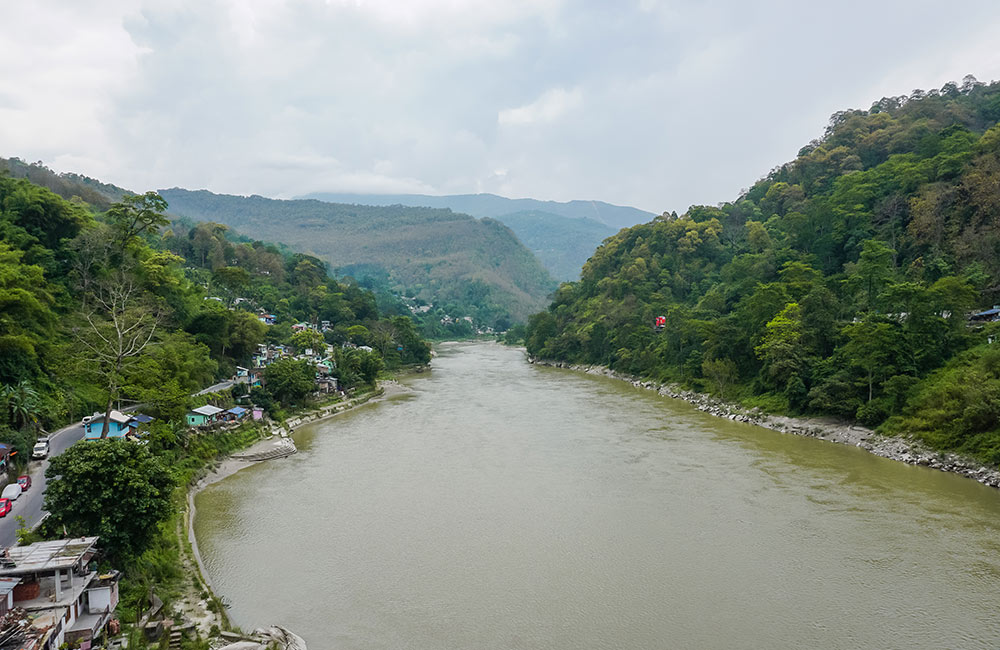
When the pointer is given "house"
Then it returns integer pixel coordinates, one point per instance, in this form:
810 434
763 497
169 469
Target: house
326 384
267 319
62 599
140 419
257 413
987 316
203 415
300 327
235 414
119 425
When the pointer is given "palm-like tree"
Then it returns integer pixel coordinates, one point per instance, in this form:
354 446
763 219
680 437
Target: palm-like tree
20 401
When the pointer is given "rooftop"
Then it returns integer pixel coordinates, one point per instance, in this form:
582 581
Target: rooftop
45 556
208 409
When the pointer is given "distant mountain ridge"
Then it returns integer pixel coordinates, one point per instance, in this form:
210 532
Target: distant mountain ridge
492 205
474 267
562 234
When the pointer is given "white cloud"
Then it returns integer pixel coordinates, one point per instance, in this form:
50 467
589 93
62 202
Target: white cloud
653 103
551 105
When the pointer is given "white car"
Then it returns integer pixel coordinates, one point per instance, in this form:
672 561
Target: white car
41 449
12 491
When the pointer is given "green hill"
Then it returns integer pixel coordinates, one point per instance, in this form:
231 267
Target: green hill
842 283
561 244
67 185
474 267
491 205
562 235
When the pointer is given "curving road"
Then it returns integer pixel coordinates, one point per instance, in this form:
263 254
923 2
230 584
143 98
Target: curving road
29 504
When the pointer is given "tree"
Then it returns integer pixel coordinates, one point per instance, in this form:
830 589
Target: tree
308 339
873 347
289 380
115 489
20 402
872 271
781 349
721 372
135 215
115 332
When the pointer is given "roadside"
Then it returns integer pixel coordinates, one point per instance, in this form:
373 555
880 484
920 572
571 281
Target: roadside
894 448
29 504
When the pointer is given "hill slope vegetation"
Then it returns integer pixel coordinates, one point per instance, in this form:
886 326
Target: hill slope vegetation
842 283
562 235
476 266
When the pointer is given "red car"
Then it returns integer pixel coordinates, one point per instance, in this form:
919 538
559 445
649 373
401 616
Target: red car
24 482
5 507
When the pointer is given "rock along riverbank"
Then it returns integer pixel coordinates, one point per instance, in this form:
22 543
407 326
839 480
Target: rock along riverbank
895 448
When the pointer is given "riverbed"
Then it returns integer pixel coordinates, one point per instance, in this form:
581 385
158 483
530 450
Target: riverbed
505 505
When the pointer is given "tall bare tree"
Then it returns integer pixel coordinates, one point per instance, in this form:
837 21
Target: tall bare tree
115 329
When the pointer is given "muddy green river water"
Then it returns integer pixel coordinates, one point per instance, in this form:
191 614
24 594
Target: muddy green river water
503 505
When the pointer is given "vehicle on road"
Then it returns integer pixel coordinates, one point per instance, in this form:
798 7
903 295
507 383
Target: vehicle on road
5 507
12 491
41 449
24 481
87 419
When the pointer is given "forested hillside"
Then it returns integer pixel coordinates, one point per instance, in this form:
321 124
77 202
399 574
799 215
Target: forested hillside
562 235
98 306
476 266
842 283
491 205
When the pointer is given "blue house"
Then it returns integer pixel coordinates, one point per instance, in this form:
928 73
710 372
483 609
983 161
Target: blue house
119 425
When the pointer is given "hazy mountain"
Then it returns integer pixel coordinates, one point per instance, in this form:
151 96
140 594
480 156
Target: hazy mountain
562 244
477 266
563 235
491 205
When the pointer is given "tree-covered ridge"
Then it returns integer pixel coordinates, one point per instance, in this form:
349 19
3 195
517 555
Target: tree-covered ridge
105 305
562 244
841 283
436 255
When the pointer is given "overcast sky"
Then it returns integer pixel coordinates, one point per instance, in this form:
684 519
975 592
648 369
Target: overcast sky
656 104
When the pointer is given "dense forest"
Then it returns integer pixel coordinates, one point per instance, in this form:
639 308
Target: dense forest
438 256
117 304
843 283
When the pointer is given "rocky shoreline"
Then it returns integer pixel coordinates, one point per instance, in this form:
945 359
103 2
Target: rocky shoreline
895 448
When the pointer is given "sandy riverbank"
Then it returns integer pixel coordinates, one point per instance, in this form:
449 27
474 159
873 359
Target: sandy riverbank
895 448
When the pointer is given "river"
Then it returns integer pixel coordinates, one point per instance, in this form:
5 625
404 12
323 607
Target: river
504 505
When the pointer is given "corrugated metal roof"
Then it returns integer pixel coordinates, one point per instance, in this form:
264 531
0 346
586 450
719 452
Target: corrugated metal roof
208 409
46 556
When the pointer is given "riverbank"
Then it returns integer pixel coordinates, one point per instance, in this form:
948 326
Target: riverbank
203 606
900 449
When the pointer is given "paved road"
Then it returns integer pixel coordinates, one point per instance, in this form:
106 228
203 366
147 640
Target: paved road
29 505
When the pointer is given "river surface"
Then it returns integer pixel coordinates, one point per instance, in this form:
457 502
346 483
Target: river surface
503 505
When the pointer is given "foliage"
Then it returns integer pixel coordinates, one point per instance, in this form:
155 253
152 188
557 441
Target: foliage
289 380
112 488
838 284
958 407
477 266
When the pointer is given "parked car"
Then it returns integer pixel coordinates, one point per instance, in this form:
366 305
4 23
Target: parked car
87 419
12 491
5 507
24 482
41 449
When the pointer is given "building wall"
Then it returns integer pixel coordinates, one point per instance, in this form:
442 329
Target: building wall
99 600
